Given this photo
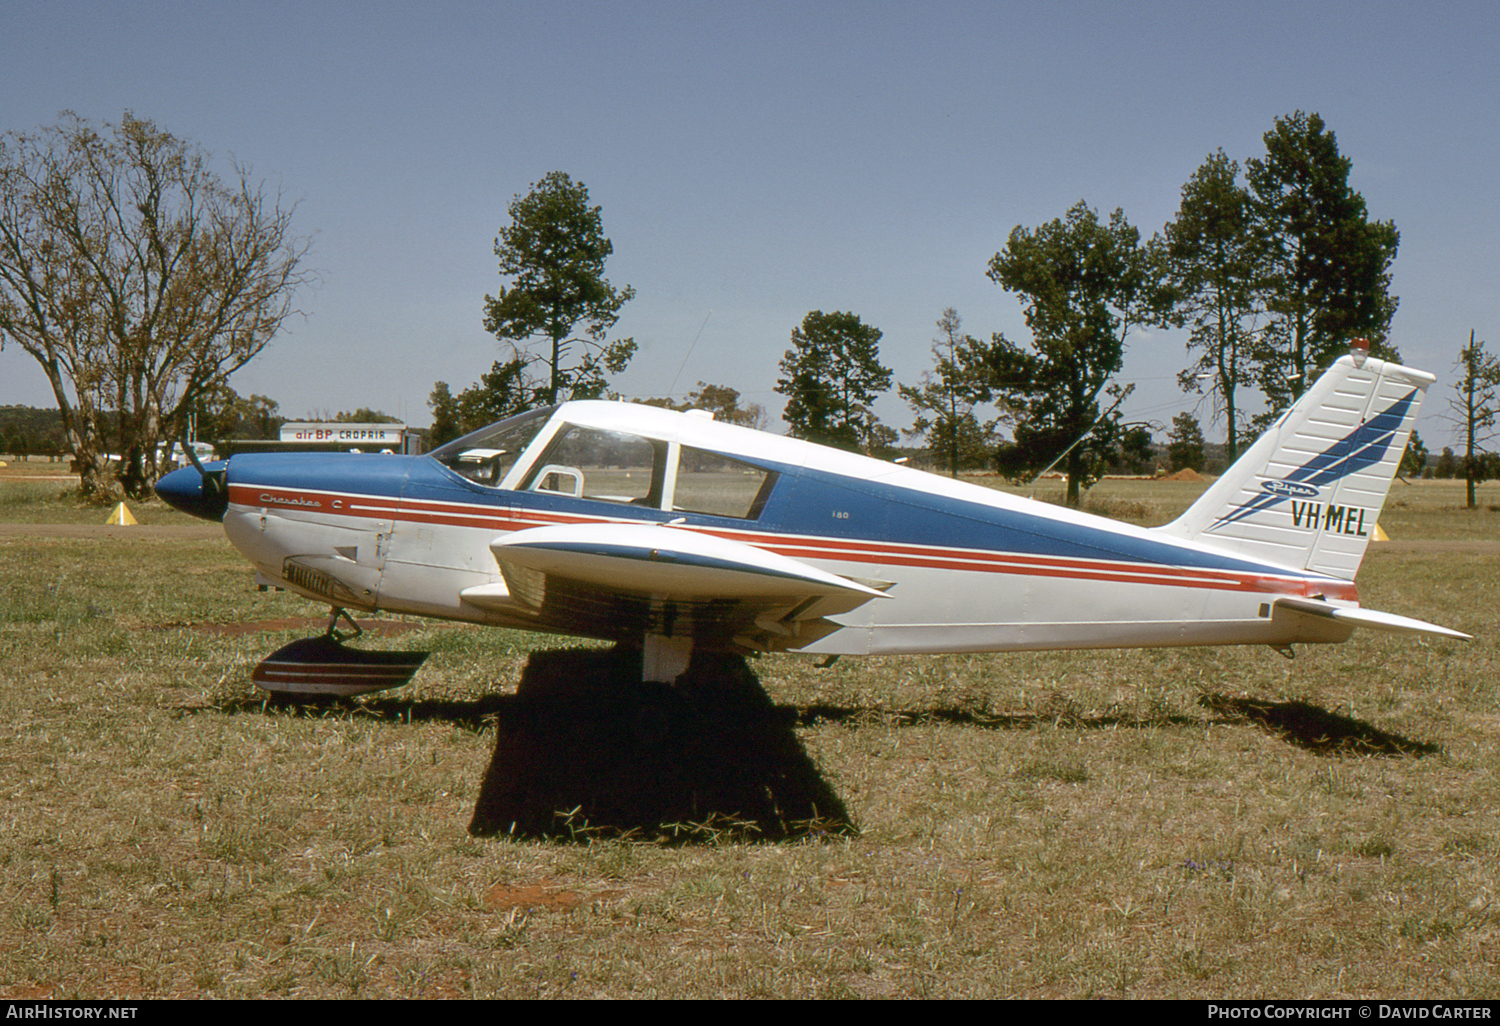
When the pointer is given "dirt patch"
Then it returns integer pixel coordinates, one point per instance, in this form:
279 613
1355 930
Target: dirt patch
288 623
502 897
179 532
27 470
1185 474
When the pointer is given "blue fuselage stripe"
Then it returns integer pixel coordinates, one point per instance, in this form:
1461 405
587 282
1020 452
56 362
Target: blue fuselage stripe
805 505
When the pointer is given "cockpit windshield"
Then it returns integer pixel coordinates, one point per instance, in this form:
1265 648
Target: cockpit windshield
484 456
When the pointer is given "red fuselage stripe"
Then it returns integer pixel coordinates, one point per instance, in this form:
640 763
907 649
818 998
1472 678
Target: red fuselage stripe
428 512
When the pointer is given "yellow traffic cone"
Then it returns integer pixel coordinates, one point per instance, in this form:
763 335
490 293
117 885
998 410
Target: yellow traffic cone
121 516
1380 534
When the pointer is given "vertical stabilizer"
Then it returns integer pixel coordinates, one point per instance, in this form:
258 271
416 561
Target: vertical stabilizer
1308 492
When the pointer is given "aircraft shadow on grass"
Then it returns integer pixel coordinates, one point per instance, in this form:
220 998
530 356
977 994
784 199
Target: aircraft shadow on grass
1298 723
586 749
1315 728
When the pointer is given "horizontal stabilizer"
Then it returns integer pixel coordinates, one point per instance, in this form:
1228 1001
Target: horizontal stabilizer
1368 618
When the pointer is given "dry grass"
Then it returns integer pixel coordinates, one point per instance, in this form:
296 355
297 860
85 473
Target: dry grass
1055 825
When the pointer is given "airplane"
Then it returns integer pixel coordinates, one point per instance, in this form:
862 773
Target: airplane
674 534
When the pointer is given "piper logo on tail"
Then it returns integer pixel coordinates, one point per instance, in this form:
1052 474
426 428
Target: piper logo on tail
1289 489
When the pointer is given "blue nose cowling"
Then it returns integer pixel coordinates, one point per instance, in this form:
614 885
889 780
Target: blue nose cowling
202 495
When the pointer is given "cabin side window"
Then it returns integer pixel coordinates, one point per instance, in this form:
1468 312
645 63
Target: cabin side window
599 464
720 486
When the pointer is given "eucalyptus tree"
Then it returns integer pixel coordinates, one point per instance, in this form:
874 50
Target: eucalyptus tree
1213 256
1476 408
1185 443
1084 286
831 377
502 392
720 400
139 281
446 425
946 397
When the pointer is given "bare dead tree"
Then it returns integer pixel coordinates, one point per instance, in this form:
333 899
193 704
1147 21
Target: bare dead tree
1475 408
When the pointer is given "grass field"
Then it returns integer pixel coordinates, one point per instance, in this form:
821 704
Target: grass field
1116 824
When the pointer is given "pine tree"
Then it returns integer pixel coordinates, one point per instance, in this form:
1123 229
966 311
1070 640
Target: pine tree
831 376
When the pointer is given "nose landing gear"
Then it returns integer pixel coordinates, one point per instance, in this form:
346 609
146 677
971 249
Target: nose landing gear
324 666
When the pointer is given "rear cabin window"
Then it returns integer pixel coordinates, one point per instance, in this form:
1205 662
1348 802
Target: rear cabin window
720 486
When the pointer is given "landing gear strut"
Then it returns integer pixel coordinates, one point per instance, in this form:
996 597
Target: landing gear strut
664 659
335 613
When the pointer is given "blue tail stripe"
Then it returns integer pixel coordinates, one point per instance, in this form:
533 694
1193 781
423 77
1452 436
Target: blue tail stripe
1363 447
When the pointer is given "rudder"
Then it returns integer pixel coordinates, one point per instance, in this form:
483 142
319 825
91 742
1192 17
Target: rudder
1308 492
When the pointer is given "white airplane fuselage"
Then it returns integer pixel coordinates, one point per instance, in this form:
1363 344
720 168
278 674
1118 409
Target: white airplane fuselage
970 568
646 526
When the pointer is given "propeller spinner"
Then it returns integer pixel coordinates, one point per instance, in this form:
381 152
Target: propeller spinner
199 493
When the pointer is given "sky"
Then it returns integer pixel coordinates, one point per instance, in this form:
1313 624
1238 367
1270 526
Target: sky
757 161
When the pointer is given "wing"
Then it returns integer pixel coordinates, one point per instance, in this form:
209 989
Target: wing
627 581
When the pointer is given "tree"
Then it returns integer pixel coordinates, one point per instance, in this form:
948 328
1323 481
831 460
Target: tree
1414 459
555 249
1185 443
14 442
221 413
720 400
1327 266
364 415
724 403
1084 287
945 401
137 278
445 423
1213 261
32 431
832 375
1134 451
1475 409
501 393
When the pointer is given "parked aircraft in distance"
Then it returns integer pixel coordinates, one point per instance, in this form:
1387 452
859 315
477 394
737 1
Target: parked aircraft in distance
674 534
